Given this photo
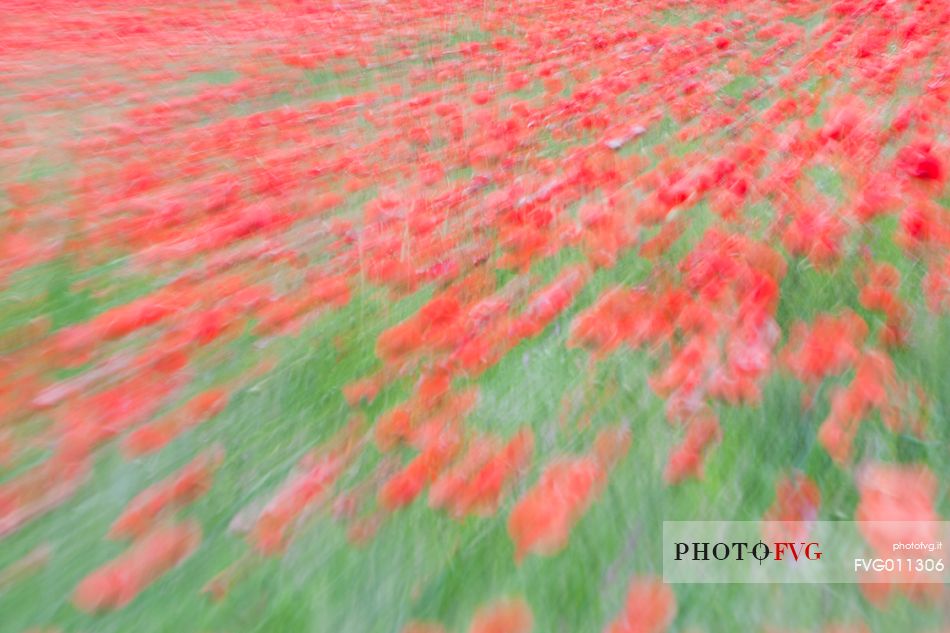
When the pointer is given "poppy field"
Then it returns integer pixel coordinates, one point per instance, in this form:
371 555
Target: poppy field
423 316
